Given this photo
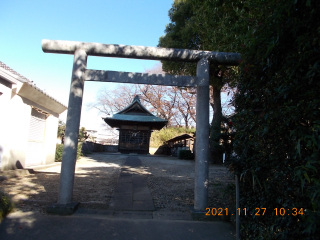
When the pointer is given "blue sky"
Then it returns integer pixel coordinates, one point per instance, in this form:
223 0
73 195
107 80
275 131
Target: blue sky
23 24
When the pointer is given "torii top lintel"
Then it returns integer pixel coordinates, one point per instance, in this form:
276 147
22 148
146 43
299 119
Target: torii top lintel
139 52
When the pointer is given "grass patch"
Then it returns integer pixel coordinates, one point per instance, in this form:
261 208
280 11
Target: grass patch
6 205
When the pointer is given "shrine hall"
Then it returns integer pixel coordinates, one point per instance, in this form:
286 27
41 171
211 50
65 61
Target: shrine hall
135 124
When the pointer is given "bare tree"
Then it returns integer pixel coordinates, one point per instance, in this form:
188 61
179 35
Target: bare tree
110 102
177 105
226 101
186 105
162 100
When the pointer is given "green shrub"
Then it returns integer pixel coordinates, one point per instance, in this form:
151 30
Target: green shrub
6 205
277 141
186 154
59 150
79 152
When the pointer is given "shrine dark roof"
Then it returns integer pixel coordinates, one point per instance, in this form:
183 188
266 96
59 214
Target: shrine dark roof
180 137
136 114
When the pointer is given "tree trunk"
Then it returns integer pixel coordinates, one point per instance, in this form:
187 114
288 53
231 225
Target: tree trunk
215 131
186 121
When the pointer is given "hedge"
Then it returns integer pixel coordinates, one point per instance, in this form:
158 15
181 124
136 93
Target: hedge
277 121
59 150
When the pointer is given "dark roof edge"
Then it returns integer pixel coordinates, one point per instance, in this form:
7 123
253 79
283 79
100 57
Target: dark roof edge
160 121
180 137
135 100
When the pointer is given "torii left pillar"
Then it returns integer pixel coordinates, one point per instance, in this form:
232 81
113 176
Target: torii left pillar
65 206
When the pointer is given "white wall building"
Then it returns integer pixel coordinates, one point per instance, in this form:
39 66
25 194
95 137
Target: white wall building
28 122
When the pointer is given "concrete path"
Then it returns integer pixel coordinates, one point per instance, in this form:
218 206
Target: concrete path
132 192
96 226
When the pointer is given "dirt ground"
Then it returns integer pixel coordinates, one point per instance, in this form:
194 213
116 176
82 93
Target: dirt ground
170 180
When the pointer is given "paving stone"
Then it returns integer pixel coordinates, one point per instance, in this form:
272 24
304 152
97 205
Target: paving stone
123 195
86 211
126 178
172 216
140 185
137 178
143 189
140 188
132 192
124 184
121 205
132 215
142 196
124 188
143 205
123 199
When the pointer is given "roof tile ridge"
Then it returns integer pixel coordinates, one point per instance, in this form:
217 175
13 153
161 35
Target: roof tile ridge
28 81
9 69
136 99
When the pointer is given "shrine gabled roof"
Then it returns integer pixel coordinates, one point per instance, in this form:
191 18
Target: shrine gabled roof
135 113
135 103
136 118
152 121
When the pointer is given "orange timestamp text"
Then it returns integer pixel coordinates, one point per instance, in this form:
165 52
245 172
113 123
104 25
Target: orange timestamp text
257 211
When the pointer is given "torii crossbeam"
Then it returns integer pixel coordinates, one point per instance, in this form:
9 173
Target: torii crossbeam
80 74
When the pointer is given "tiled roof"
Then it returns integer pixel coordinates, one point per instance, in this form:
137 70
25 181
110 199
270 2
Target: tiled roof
6 67
136 100
34 86
125 116
2 65
136 118
147 117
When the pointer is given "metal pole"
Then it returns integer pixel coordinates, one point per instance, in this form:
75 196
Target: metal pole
202 134
237 207
69 154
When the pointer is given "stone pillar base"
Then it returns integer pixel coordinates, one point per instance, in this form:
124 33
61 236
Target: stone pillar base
63 209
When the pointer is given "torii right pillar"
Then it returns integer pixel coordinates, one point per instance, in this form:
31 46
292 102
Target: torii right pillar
202 142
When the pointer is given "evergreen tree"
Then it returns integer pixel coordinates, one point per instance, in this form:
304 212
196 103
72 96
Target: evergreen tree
211 26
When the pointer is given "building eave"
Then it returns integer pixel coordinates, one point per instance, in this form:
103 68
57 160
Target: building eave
10 77
36 95
155 125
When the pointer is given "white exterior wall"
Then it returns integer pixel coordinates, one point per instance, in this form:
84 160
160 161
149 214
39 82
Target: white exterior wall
15 114
4 101
14 126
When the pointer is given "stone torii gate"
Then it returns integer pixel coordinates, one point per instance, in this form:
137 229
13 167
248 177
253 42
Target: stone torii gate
80 74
